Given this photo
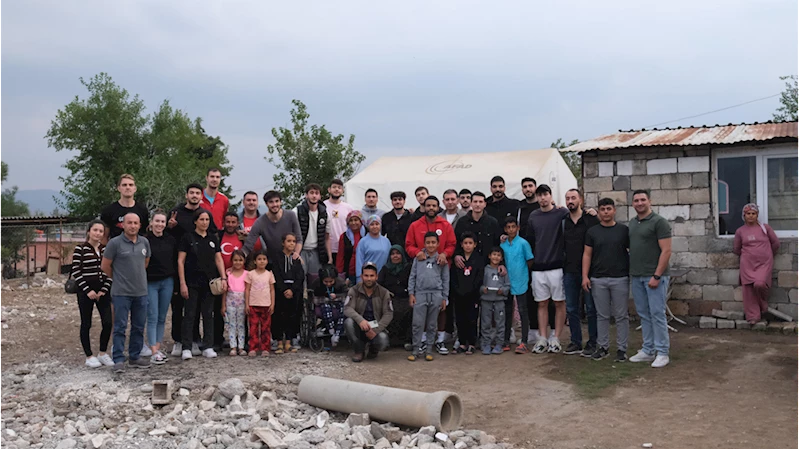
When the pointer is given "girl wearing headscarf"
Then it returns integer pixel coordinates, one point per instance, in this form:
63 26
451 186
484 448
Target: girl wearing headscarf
373 247
394 277
757 244
348 243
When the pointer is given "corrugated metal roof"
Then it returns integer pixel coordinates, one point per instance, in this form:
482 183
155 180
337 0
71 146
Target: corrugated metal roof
719 135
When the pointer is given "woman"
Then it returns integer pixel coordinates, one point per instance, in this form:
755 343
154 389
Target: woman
373 247
93 290
757 244
345 263
394 277
160 283
199 261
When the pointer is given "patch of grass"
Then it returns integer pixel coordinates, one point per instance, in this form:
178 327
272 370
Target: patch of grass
594 379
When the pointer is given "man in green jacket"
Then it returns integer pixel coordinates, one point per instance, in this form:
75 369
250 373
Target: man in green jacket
369 311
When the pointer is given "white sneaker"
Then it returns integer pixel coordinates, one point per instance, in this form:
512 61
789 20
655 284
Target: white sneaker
195 349
334 340
146 351
532 337
540 346
106 360
642 356
660 361
554 345
209 353
186 354
92 362
177 349
163 354
512 338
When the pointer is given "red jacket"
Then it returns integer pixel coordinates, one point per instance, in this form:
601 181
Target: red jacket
218 209
414 239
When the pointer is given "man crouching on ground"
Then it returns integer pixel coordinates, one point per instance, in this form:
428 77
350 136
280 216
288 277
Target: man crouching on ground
369 311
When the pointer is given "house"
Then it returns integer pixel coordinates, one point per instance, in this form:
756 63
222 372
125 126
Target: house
700 178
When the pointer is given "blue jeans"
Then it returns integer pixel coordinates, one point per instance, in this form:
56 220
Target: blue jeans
650 303
572 286
159 296
136 306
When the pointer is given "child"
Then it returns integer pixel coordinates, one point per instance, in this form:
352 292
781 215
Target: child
233 302
259 305
289 280
330 287
495 291
518 260
465 293
430 282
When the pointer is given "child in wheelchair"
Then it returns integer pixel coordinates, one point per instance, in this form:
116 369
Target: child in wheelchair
329 292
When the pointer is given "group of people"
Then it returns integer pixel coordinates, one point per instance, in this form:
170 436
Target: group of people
521 270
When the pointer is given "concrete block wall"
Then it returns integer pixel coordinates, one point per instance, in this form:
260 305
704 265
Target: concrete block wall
679 179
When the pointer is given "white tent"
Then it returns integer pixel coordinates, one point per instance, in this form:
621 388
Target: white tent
458 171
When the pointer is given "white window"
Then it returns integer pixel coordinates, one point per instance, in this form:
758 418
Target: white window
766 176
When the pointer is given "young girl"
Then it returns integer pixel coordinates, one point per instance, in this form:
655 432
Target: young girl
259 305
289 280
233 303
330 287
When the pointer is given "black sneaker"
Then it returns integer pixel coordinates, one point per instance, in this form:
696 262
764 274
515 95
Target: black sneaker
573 348
141 362
599 354
119 367
621 356
588 351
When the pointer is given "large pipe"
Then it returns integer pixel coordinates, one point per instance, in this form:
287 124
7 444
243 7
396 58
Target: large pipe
441 409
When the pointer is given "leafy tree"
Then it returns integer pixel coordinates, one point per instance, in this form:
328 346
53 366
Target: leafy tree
306 154
13 239
11 207
112 135
572 158
787 112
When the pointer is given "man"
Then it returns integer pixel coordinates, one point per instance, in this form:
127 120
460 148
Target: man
421 193
500 206
247 218
113 214
528 204
125 261
650 250
212 200
337 211
229 240
451 213
575 227
312 216
272 226
370 207
414 240
485 228
605 272
465 199
397 221
369 312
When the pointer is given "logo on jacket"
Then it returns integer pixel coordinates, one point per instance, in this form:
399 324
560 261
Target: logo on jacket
446 167
438 232
212 244
322 221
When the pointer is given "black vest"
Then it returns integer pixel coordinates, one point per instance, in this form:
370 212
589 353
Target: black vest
304 217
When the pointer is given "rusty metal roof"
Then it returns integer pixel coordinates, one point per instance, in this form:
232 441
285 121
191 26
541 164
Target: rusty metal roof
718 135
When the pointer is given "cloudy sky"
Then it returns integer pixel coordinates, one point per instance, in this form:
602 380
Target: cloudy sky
407 77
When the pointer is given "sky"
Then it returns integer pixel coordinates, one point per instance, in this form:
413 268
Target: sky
406 78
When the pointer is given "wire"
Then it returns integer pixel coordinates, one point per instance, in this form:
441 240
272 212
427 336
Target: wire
711 112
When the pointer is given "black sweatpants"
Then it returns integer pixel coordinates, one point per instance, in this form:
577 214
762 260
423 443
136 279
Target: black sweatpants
466 308
86 307
286 319
200 302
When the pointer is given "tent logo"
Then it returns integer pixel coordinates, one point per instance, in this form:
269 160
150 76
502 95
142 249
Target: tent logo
446 167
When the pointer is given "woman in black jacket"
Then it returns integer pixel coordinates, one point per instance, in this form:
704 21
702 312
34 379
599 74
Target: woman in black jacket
394 277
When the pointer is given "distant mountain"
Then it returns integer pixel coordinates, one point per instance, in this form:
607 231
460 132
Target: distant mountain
39 200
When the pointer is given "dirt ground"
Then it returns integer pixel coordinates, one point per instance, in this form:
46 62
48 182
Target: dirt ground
724 389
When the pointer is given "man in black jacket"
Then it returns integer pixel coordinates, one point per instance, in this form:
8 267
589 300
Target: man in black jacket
484 227
500 206
421 194
397 221
312 215
528 204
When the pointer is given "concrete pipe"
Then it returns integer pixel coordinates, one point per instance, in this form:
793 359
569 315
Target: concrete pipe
441 409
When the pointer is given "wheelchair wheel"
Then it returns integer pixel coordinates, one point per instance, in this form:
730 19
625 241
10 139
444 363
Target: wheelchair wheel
308 330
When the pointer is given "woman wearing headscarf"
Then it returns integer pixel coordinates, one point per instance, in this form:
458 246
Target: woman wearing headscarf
394 277
348 243
373 247
757 244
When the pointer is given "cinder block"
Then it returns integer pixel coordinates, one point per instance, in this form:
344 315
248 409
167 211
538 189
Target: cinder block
679 308
686 291
787 279
675 181
645 182
742 324
728 277
624 168
707 322
693 164
735 314
725 324
720 313
700 277
672 213
639 166
732 306
719 293
783 262
621 183
664 197
590 169
620 198
792 296
759 326
694 196
722 260
790 309
689 260
162 391
690 227
661 166
598 184
700 211
605 169
774 326
700 180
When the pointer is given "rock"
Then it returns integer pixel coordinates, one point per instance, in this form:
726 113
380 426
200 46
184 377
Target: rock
98 440
321 419
313 436
268 437
428 430
430 446
250 399
382 443
146 388
68 443
707 322
235 405
183 392
442 437
742 324
267 402
220 399
93 425
232 387
226 439
377 431
393 434
208 393
172 429
423 439
358 419
725 324
759 326
157 432
460 445
486 439
207 405
296 379
327 445
81 426
123 396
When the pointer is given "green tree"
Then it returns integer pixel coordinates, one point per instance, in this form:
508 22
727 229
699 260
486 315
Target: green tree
788 98
13 238
306 154
11 207
572 158
112 135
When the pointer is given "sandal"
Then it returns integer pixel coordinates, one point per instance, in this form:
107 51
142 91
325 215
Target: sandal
234 352
279 350
265 354
469 350
242 351
252 354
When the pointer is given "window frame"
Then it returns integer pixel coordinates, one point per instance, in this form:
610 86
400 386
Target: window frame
761 154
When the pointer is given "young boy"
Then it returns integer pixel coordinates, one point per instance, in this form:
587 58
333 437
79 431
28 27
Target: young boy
428 287
495 291
465 292
518 260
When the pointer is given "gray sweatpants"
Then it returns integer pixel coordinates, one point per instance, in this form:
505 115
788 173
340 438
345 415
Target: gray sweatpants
610 297
425 319
492 322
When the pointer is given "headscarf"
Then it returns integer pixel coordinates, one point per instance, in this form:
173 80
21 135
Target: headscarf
350 235
752 207
396 268
372 219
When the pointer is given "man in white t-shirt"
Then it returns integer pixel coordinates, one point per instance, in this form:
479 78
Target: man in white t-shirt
312 216
451 212
337 211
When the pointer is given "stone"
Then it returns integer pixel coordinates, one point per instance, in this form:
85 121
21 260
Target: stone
717 293
268 437
664 197
605 169
393 434
68 443
700 180
220 399
645 182
296 379
358 419
694 196
207 405
661 166
624 168
172 429
235 405
232 387
442 437
702 277
725 324
672 213
777 295
787 279
98 440
792 295
728 277
733 306
157 432
313 436
720 314
208 393
679 244
693 164
461 445
162 392
675 181
620 198
707 322
690 227
789 328
678 307
427 430
321 419
590 169
183 392
377 431
598 184
94 425
686 291
639 167
722 260
742 324
774 326
123 396
689 260
382 443
700 211
735 314
327 445
759 326
267 402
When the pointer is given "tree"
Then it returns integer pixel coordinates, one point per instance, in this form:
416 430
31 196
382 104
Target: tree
306 154
572 158
13 238
112 135
787 112
11 207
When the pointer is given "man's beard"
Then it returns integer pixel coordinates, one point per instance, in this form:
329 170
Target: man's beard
499 195
572 206
335 197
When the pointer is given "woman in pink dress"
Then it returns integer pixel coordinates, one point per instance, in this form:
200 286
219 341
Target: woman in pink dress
757 244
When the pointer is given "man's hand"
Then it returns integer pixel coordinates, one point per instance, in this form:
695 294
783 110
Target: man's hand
442 258
653 283
591 211
586 283
443 305
288 294
371 334
460 262
421 256
364 325
412 300
503 238
502 271
92 295
500 292
172 220
184 291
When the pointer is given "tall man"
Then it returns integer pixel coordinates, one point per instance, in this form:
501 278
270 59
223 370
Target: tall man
312 215
125 261
113 214
575 227
528 204
500 206
272 226
337 212
451 212
397 221
247 217
370 204
214 201
421 193
369 312
650 251
465 199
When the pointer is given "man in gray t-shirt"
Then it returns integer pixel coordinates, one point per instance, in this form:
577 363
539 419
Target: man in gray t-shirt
125 261
272 226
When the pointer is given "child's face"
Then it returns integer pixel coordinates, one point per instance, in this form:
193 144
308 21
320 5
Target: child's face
260 261
290 243
329 282
431 244
238 262
495 258
468 245
511 229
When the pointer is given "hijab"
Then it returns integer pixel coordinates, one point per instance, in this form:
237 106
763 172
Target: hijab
396 268
350 235
752 207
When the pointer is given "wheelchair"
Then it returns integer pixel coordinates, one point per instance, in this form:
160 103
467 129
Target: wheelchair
313 331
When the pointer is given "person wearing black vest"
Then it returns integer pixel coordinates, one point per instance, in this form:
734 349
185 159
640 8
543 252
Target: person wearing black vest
312 215
397 221
498 205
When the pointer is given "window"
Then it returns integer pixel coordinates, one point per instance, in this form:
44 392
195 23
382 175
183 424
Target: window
766 177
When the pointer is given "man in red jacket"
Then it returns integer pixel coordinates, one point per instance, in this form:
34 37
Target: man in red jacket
213 200
431 222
